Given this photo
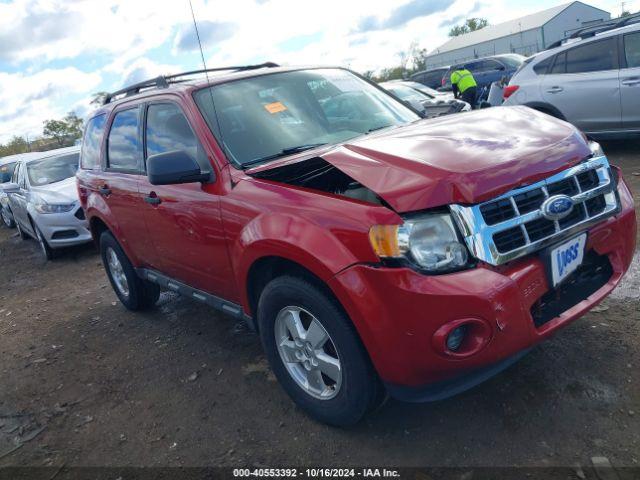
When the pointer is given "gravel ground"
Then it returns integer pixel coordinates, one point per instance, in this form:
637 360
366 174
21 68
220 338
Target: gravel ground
84 382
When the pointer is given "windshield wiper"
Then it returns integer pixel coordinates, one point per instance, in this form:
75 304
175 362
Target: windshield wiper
378 128
283 152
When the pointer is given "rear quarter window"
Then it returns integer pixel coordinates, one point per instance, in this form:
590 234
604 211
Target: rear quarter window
92 142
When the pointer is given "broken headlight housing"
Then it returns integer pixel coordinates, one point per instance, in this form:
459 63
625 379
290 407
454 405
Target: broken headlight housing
428 241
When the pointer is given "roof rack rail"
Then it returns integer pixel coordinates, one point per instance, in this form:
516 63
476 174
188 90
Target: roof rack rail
593 30
163 81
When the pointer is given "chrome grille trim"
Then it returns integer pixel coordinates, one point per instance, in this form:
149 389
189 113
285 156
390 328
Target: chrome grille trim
479 236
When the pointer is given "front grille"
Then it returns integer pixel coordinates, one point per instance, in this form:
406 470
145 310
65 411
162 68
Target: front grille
588 278
513 225
79 214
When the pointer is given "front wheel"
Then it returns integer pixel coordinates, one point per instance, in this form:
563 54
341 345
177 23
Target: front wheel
47 252
7 217
134 292
21 233
316 353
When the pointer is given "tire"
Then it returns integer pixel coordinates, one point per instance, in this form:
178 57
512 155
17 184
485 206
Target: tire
7 217
47 252
135 293
341 399
21 233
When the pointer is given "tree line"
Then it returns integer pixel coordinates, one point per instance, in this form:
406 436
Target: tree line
56 133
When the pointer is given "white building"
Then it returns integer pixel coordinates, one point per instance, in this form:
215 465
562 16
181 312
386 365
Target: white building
525 35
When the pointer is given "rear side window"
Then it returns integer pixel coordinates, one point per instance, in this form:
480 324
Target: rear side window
90 156
592 57
124 149
632 49
168 130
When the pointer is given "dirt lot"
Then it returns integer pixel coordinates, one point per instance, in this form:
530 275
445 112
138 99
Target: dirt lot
85 382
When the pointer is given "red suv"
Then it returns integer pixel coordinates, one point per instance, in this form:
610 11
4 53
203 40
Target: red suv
374 252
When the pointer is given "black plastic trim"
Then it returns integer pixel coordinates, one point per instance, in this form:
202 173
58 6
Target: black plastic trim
218 303
448 388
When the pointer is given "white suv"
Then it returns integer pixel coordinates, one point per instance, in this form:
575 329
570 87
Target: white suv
592 82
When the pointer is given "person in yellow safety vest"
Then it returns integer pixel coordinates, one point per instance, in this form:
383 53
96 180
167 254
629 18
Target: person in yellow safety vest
464 85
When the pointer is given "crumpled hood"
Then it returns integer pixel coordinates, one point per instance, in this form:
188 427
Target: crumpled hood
62 192
463 158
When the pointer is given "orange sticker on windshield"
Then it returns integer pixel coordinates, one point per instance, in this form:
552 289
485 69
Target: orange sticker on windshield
275 107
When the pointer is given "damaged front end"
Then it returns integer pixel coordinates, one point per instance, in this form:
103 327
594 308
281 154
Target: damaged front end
319 175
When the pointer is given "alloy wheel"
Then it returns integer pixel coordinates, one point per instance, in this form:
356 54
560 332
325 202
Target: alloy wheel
308 352
117 272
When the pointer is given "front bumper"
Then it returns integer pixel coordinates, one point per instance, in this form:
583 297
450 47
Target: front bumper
397 311
63 229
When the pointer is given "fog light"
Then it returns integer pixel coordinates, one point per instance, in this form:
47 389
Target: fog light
455 338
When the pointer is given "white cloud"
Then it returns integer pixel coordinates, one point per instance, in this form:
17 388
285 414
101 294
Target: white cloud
27 100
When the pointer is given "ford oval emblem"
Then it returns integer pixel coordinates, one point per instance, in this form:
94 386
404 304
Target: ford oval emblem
557 207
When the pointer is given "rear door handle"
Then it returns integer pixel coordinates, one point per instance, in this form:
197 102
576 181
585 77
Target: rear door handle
555 90
104 191
153 200
631 81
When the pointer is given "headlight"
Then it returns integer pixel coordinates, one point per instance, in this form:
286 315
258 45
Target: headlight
429 241
53 207
596 149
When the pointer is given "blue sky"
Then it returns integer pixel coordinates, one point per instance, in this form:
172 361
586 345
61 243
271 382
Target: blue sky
55 53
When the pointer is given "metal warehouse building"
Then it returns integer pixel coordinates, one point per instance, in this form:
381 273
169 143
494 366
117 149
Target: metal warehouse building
525 35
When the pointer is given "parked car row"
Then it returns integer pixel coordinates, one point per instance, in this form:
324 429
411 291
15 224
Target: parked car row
591 80
40 198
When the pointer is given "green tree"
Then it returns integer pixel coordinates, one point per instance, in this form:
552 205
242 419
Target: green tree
470 25
56 129
64 131
14 146
74 125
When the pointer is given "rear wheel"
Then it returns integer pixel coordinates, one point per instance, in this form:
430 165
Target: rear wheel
7 217
134 292
316 353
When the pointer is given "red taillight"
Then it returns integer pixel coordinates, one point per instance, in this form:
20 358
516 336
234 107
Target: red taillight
509 90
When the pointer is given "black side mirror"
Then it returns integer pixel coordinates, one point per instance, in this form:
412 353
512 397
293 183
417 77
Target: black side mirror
174 167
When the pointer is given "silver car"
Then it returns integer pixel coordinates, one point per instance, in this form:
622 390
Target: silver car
44 200
424 99
592 82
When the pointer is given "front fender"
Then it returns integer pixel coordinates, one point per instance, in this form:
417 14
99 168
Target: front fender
296 239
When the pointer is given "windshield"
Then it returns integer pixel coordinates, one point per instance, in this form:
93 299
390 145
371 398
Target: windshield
266 117
52 169
6 171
